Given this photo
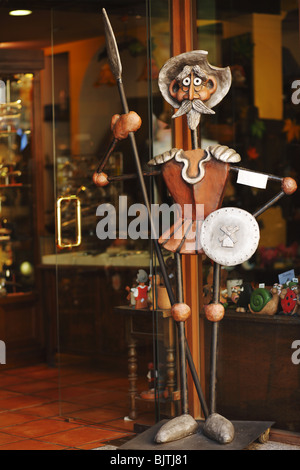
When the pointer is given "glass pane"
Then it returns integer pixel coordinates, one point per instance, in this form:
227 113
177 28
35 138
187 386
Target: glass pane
17 254
21 197
109 352
258 378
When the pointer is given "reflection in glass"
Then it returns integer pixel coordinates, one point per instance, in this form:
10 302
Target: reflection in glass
260 120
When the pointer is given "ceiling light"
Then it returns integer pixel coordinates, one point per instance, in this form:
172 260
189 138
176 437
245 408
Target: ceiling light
20 12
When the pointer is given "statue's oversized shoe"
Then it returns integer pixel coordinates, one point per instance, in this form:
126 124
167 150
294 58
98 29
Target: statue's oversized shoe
177 428
219 429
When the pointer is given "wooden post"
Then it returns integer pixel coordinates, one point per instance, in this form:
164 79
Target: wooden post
183 21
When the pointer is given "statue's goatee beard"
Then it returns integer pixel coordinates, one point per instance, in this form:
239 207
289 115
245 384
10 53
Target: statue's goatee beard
193 110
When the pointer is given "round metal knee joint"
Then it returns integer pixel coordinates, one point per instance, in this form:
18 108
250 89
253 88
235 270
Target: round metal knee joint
180 312
214 312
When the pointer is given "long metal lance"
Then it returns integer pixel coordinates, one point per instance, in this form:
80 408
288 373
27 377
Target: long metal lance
116 68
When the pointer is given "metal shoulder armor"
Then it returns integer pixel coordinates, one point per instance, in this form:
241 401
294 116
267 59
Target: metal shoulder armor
163 157
223 153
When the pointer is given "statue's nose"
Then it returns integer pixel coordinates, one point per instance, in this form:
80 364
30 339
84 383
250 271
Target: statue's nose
191 90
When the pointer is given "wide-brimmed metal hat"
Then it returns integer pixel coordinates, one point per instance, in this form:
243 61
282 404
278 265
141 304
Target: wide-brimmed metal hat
175 65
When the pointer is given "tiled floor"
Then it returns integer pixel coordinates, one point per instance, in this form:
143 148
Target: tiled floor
72 408
44 408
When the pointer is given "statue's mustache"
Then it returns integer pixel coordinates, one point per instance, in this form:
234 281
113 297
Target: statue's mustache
196 105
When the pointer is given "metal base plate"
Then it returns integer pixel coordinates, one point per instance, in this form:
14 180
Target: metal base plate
246 432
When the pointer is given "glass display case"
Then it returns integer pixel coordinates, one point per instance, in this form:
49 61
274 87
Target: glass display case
17 234
20 319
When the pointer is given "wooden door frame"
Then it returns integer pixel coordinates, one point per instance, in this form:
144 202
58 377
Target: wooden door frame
183 39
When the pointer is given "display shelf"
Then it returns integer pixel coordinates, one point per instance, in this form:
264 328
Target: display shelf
144 311
278 318
257 375
18 297
15 185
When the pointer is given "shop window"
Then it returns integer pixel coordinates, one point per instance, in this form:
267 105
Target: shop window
260 119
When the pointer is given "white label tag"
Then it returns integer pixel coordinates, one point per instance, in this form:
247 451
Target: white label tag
283 278
249 178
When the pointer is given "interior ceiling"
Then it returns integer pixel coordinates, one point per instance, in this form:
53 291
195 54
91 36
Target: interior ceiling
71 20
128 6
81 19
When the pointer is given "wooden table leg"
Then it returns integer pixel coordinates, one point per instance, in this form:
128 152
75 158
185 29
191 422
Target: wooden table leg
132 378
170 361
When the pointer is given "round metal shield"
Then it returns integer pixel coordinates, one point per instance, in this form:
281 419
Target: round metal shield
229 236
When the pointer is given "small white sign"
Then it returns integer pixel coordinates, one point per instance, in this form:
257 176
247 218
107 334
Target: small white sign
286 277
250 178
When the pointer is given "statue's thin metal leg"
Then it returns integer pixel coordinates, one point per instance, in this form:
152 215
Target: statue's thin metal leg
214 341
183 425
181 340
185 354
216 426
213 366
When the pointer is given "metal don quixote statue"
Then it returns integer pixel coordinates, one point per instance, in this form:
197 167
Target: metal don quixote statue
228 236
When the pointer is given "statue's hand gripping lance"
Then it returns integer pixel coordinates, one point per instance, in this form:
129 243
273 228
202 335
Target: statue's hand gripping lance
121 126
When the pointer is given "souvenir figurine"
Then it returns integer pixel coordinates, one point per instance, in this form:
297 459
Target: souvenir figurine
130 297
235 293
289 298
156 383
196 179
241 296
264 301
150 393
140 292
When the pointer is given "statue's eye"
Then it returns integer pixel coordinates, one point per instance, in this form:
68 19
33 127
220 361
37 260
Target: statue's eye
197 81
186 81
175 87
